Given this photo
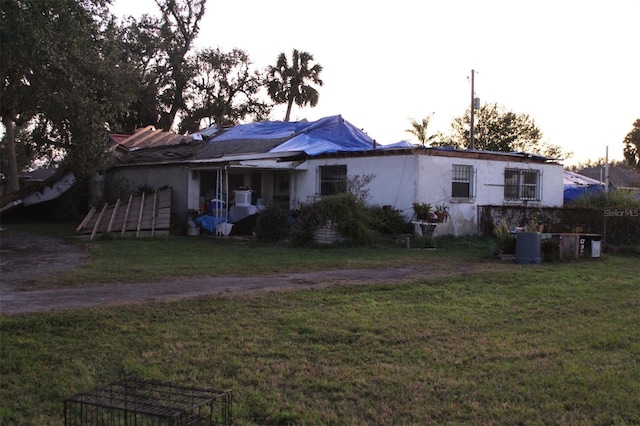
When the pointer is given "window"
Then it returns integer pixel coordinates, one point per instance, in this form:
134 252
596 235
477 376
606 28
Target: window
520 184
462 182
333 179
281 189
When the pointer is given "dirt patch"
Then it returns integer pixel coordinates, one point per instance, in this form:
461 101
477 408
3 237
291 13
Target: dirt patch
26 258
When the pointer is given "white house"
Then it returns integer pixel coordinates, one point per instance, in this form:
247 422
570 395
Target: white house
461 179
285 164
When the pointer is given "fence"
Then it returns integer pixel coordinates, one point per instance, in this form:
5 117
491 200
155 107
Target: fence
619 227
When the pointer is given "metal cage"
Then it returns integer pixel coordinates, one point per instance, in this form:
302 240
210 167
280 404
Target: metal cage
141 402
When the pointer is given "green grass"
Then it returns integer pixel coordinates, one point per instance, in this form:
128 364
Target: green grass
508 344
133 260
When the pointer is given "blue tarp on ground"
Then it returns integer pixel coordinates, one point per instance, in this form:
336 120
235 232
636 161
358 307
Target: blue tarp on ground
210 223
329 134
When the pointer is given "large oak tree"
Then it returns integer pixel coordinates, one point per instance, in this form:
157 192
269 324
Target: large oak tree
160 49
61 73
497 129
225 90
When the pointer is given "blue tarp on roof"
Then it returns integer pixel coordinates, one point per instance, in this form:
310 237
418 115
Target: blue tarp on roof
329 134
576 186
259 130
398 145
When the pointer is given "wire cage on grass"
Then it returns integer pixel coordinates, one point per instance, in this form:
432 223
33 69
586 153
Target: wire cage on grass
141 402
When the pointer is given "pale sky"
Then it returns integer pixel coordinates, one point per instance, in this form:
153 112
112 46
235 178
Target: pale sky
573 66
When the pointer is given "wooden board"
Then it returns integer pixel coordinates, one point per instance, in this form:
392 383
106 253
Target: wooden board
142 215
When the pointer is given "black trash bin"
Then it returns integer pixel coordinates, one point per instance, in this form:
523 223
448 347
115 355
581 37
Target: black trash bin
528 248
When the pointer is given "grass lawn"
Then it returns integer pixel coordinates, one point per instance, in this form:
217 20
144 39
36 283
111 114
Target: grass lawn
553 343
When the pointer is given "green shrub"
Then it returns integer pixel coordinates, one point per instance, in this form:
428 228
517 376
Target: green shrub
113 189
550 249
618 198
353 217
271 225
387 221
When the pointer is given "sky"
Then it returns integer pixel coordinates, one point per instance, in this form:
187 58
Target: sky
572 66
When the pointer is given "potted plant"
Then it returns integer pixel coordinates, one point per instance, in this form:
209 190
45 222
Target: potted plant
442 212
543 221
422 210
505 240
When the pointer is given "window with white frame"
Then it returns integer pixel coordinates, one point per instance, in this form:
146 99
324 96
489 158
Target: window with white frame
333 179
462 178
522 185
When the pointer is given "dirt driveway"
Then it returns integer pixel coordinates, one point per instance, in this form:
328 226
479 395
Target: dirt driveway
26 257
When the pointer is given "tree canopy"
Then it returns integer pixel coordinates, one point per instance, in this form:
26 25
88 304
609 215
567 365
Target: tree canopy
61 81
292 83
160 51
224 91
497 129
73 74
632 146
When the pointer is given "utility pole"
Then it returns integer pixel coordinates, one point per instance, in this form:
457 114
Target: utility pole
472 108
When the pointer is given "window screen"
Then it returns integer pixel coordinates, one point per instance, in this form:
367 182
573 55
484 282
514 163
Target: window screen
520 184
333 179
462 182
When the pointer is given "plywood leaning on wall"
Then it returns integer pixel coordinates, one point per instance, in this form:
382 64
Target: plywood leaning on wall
144 215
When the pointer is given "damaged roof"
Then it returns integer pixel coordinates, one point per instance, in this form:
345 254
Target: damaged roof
329 134
148 137
270 139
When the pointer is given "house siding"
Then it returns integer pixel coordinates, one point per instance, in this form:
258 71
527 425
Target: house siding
399 180
394 181
178 177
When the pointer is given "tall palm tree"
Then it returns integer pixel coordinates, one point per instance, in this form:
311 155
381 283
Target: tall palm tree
292 83
420 130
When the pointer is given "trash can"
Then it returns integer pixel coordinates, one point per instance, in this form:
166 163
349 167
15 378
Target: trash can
527 248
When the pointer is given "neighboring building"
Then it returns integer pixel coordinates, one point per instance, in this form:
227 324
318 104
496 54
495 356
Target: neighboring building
285 164
619 177
577 185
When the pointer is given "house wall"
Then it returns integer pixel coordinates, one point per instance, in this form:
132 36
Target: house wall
402 179
435 188
193 190
399 180
178 177
394 181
